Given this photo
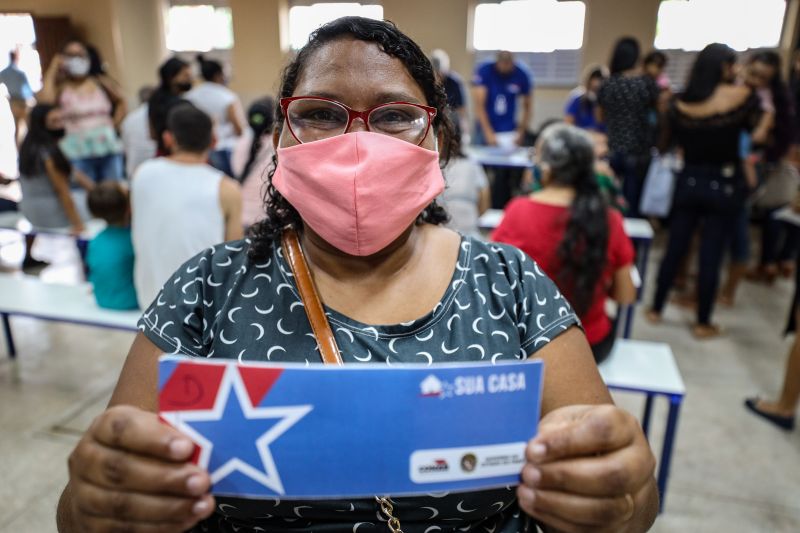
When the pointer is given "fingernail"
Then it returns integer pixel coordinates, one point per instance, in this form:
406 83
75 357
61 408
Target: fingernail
534 476
195 484
200 507
180 448
526 495
538 450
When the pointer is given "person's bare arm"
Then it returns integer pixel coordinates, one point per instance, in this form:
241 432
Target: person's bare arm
569 118
236 117
572 375
662 103
750 173
484 200
760 134
230 198
599 114
49 92
131 472
527 179
114 92
589 468
60 182
622 289
479 95
82 179
527 115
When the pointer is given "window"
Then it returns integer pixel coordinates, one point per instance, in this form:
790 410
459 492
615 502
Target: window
693 24
546 36
306 18
17 33
199 28
529 26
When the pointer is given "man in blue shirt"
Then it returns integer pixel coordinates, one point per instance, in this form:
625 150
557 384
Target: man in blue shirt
19 90
497 87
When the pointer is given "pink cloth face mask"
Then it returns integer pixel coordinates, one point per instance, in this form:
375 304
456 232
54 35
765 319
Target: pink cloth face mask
358 191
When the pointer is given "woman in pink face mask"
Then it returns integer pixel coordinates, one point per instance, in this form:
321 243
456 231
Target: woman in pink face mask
359 127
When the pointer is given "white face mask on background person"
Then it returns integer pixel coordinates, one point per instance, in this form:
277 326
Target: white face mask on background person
77 67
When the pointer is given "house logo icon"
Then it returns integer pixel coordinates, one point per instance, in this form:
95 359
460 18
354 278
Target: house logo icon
431 386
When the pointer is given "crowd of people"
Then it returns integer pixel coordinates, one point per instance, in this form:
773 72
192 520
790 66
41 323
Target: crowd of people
369 182
735 133
167 163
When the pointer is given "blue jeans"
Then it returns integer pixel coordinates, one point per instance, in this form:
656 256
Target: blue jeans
107 167
709 199
740 243
221 160
631 171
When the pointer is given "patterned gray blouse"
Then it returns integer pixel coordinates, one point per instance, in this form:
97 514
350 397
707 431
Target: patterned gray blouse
499 305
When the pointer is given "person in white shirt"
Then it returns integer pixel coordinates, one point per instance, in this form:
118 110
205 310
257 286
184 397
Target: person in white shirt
467 195
180 204
135 133
223 106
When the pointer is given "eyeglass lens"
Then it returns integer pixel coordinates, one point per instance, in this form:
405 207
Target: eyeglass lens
314 120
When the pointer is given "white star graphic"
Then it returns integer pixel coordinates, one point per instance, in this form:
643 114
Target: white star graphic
289 416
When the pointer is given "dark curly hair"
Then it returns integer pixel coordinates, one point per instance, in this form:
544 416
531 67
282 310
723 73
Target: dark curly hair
569 153
279 212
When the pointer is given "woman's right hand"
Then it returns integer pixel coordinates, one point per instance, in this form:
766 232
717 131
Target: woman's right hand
131 472
55 65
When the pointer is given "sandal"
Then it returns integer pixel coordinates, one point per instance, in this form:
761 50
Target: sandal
783 422
706 331
726 300
653 316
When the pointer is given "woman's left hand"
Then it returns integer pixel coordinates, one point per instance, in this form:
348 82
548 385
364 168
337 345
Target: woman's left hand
589 469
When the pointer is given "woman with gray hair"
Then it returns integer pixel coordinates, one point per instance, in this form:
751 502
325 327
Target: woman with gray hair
568 229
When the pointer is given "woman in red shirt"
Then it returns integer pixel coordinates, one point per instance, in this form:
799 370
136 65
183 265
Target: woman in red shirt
569 230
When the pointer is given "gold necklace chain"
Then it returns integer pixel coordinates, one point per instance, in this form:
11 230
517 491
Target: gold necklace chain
388 511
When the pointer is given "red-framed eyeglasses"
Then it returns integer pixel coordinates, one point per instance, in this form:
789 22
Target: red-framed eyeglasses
314 118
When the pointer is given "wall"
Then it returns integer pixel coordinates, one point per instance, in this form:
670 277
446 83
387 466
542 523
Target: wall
440 24
604 26
445 24
257 58
129 32
140 24
94 20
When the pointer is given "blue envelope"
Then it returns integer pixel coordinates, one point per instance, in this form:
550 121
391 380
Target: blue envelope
293 431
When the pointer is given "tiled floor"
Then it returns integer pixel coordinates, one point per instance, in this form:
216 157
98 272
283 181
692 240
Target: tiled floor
731 472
